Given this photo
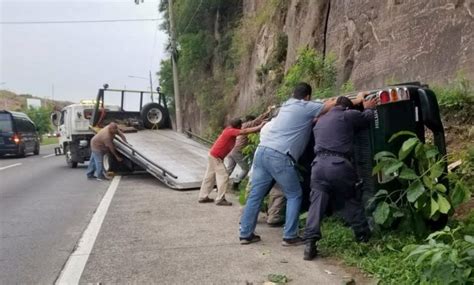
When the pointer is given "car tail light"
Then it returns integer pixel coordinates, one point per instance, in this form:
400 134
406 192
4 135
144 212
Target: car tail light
16 139
384 97
403 93
393 95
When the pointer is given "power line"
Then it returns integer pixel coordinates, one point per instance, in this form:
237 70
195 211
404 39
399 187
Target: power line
78 21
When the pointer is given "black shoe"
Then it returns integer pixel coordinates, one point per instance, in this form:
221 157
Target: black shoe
91 177
206 200
292 241
363 238
276 224
223 202
310 251
251 239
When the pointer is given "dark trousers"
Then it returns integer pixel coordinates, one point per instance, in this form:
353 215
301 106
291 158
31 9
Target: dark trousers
333 179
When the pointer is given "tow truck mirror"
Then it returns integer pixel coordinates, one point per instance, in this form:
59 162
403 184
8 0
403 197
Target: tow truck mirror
55 118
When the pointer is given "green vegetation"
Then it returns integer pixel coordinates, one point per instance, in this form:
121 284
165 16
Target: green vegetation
381 257
47 141
313 68
421 195
456 99
40 116
447 258
278 278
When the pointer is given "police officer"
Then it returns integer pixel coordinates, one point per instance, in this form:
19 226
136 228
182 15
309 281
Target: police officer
332 175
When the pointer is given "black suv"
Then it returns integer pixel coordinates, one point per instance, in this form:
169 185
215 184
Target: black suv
18 134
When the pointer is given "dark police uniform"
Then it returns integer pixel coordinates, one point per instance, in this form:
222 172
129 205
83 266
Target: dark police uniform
333 174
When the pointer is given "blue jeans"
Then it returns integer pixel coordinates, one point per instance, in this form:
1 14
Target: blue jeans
270 164
95 167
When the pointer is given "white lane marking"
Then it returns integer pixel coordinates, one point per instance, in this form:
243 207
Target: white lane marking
9 166
49 155
72 271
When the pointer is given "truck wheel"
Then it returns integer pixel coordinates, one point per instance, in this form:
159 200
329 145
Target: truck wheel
110 164
68 155
154 116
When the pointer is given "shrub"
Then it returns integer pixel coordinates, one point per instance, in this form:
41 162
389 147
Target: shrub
447 258
418 167
312 68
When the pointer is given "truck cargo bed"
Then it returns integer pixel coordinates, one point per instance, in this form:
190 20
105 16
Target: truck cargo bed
171 157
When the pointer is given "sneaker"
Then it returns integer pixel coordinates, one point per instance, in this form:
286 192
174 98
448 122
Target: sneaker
251 239
292 241
223 202
206 200
91 177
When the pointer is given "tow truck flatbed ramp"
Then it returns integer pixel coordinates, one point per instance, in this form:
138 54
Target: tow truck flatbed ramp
173 158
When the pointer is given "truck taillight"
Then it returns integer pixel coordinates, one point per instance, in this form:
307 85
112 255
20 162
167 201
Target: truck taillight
393 95
403 94
384 97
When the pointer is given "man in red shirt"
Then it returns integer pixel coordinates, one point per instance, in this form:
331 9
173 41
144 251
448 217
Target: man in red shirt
216 172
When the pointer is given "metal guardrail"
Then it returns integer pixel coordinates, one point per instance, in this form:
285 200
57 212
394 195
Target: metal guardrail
191 135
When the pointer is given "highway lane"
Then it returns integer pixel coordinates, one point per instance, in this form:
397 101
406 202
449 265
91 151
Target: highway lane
44 208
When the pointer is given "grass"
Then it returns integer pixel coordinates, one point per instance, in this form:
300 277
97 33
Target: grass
381 257
48 141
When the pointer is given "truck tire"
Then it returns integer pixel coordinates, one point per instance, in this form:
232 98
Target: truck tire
110 164
154 116
69 161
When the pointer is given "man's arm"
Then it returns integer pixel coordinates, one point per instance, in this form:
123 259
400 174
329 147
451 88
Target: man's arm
122 136
251 130
111 147
259 119
362 119
327 105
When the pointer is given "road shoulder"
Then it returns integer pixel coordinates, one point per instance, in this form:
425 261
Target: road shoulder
152 234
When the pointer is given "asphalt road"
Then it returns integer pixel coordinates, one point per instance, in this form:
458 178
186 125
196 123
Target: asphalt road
44 208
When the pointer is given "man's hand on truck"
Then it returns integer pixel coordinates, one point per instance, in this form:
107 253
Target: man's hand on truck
119 159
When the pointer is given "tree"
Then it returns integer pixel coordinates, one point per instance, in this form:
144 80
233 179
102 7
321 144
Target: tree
40 116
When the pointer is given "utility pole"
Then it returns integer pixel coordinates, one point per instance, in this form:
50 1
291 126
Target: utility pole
179 122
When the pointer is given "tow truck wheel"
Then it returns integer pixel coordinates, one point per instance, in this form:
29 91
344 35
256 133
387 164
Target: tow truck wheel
110 164
68 155
154 116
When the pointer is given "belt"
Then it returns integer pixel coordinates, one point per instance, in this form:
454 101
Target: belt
327 152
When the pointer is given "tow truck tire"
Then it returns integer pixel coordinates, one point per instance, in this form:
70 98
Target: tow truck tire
69 161
154 116
110 164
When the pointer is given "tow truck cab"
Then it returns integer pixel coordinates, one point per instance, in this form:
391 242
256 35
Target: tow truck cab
75 133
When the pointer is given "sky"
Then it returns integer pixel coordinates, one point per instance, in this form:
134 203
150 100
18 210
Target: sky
71 61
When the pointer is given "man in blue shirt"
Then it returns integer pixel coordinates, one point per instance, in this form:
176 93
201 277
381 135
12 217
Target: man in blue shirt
275 159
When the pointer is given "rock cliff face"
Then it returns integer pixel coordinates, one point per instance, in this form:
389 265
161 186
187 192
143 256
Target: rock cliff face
397 40
374 42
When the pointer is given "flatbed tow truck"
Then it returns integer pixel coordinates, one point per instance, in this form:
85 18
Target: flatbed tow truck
173 158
